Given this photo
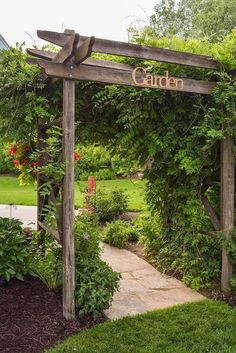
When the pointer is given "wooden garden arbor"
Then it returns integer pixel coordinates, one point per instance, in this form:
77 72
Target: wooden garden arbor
72 63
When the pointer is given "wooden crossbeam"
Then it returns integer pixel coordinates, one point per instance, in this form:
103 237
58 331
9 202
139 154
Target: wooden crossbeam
53 232
41 54
137 51
115 76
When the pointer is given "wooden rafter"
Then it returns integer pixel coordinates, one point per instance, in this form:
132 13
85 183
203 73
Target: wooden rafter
137 51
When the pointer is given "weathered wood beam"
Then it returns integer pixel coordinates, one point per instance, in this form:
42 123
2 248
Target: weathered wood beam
84 50
68 50
108 64
137 51
42 160
211 212
53 232
115 76
68 200
41 54
227 206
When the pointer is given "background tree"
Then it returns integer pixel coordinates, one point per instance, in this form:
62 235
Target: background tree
206 19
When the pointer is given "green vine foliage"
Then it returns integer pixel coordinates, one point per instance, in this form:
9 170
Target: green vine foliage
181 132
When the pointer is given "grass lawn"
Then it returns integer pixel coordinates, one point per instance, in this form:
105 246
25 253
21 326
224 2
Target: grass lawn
11 192
201 327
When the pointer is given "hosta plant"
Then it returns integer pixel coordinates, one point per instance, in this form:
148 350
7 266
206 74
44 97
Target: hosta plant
14 254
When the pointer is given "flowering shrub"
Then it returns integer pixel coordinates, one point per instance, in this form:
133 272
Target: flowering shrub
23 158
6 165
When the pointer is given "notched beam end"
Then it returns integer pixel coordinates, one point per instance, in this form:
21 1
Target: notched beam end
84 50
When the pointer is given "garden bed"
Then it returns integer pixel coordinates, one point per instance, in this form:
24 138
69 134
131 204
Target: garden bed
31 317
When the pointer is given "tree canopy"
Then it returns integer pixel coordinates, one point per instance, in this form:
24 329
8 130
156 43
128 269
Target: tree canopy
206 19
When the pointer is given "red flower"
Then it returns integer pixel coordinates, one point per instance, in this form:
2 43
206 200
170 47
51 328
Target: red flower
34 164
24 162
16 163
27 149
76 156
12 150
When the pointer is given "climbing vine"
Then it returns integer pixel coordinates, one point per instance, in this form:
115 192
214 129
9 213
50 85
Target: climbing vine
178 132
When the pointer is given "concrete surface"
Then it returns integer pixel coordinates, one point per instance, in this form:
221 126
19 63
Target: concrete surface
26 214
142 287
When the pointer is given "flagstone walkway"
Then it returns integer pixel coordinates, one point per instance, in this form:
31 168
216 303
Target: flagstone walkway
142 287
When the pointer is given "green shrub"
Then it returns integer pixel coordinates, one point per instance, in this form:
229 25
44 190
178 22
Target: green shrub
6 164
193 256
105 174
95 281
116 234
92 159
101 174
14 250
46 261
109 204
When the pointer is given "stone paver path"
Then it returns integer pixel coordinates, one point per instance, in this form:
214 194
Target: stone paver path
142 287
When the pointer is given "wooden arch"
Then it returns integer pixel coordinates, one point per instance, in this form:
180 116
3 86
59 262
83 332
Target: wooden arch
72 63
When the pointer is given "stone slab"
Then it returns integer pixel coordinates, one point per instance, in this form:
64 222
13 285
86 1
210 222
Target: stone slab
142 287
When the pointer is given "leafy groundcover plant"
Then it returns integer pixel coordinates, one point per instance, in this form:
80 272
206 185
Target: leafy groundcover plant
14 250
96 282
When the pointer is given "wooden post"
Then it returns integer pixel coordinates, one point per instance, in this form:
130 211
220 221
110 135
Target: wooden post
42 160
227 205
68 200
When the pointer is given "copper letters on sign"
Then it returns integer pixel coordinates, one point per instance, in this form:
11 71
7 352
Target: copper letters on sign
141 77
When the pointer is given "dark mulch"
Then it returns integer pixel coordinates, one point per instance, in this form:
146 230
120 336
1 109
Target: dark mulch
31 317
217 294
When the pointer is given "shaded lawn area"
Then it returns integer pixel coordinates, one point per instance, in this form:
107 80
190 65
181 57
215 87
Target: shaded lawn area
12 192
201 327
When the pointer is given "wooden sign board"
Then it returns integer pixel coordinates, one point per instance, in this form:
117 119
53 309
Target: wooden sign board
123 77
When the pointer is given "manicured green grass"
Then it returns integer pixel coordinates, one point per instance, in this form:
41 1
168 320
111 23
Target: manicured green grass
201 327
12 192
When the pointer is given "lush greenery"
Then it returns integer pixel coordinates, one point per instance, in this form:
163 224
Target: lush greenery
180 132
95 281
98 161
11 192
6 165
180 329
108 204
46 260
14 250
116 233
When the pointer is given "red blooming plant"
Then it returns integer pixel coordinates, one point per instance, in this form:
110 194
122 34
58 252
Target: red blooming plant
76 156
23 159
